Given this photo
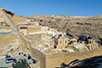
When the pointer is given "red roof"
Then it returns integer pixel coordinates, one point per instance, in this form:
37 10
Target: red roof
73 41
23 27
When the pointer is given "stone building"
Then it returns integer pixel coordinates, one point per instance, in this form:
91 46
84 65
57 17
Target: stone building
51 32
82 39
60 42
83 43
30 29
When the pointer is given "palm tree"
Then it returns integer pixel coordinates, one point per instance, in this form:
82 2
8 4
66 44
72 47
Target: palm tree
22 63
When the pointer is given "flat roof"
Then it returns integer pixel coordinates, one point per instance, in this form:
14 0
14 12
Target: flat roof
36 33
79 46
69 49
73 39
31 25
53 29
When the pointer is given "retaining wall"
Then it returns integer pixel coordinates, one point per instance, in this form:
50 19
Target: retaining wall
36 53
33 37
39 55
56 59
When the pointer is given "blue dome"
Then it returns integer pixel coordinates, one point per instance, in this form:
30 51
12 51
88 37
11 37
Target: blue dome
59 35
83 38
89 37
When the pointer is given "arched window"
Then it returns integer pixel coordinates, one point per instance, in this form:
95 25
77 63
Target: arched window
65 41
55 47
56 43
89 42
60 42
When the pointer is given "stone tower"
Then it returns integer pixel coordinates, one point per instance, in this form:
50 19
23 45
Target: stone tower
90 40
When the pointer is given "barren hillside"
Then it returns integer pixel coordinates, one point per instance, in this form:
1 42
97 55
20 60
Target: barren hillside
74 26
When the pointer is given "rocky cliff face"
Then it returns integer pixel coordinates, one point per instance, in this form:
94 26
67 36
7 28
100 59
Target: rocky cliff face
93 62
73 26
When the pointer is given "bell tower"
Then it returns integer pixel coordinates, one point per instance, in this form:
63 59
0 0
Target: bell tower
90 40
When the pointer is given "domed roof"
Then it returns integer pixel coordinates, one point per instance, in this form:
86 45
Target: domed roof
89 37
83 38
59 35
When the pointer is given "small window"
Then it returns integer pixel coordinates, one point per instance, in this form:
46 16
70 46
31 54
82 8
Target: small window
60 42
56 43
89 42
65 41
55 47
51 34
64 35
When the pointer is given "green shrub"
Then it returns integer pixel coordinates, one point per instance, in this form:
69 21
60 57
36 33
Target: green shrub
8 12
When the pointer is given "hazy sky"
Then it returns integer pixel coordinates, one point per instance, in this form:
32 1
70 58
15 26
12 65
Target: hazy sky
52 7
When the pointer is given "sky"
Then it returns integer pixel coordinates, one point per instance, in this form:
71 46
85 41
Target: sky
53 7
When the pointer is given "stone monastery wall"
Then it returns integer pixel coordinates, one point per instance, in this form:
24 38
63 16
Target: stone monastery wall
39 55
33 29
33 37
36 53
56 59
53 60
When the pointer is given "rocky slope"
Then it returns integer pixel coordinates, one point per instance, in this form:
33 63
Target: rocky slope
74 26
9 43
94 62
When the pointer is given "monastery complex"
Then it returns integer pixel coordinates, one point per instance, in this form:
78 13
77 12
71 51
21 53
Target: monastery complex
44 43
45 38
